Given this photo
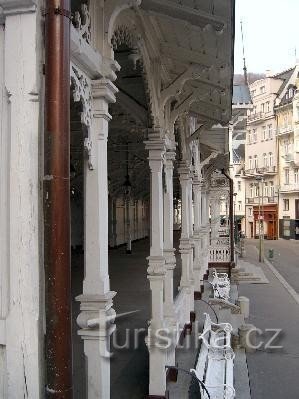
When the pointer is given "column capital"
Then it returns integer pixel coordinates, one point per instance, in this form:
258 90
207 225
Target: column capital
156 267
104 89
169 158
155 147
184 171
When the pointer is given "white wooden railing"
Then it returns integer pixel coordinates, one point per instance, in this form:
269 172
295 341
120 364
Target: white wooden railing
223 231
219 254
180 305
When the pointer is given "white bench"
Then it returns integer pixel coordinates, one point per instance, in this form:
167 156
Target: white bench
221 285
215 362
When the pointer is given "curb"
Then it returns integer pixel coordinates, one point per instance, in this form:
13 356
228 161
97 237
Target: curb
283 281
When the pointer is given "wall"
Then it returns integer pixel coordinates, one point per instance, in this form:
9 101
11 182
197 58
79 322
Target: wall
21 355
139 221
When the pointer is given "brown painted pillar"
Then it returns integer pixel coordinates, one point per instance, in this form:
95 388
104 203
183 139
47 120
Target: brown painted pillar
57 201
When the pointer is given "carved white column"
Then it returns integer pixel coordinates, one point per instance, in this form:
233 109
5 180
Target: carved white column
156 270
21 324
114 223
191 232
205 231
213 205
186 284
197 234
169 250
97 315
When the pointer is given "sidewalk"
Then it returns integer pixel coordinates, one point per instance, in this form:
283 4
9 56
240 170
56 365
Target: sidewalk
273 372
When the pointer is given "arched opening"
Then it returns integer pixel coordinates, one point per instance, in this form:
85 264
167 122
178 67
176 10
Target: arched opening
129 218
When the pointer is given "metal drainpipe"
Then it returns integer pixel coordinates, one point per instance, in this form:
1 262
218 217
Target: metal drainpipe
231 217
58 349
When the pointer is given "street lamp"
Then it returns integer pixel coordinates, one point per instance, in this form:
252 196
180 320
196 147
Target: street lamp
261 218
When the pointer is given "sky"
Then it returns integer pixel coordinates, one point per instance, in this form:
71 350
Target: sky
271 34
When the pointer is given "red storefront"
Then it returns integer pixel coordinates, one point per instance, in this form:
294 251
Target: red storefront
269 213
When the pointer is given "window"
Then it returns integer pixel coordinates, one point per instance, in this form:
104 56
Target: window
251 192
250 211
287 176
250 163
255 161
239 186
291 92
270 159
268 106
262 107
253 93
271 189
265 157
270 133
286 146
296 176
266 191
285 121
254 136
264 133
286 205
256 190
240 205
262 89
249 137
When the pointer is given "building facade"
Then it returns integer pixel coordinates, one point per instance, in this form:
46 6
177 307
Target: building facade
261 160
287 136
242 104
107 113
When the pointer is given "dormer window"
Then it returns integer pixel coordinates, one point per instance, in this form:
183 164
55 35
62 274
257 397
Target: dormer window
262 89
291 92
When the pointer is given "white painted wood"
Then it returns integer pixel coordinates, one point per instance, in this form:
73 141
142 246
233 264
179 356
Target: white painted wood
96 300
170 261
156 270
4 217
214 366
22 81
186 249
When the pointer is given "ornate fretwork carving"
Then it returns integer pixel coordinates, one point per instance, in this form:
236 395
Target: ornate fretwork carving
82 93
82 23
123 36
218 180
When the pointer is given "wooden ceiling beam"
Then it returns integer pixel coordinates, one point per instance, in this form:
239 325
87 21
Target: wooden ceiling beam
181 12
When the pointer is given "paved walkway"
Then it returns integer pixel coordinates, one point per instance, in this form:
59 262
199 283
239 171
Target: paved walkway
128 277
273 372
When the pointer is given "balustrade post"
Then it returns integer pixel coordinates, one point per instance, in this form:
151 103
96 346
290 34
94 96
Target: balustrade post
156 270
96 313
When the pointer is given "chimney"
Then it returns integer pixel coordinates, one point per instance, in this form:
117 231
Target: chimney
269 73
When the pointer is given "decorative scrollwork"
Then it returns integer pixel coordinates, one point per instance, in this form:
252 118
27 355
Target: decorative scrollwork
82 23
82 93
